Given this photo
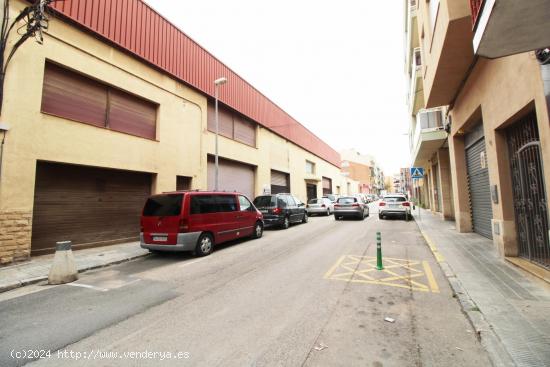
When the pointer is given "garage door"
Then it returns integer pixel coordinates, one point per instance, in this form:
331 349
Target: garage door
87 205
280 182
233 176
478 182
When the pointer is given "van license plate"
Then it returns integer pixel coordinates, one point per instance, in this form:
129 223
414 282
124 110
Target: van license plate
159 238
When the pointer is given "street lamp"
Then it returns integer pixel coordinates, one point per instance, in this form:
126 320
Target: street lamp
217 83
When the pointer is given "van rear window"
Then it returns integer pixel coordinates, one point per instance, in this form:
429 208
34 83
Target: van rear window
163 206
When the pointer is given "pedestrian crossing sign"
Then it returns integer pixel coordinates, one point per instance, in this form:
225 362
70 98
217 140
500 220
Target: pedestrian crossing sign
417 172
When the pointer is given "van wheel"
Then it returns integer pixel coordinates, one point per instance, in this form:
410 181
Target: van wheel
258 230
205 245
305 219
286 223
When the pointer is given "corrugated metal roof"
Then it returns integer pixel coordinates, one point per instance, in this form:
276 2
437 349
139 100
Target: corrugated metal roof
139 29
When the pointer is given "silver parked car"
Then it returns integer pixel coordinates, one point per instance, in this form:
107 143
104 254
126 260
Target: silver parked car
351 206
394 204
320 206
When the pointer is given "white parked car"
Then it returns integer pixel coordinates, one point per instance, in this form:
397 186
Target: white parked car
394 205
320 206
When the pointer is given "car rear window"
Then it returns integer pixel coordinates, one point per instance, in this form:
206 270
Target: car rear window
315 201
347 200
394 199
264 201
163 205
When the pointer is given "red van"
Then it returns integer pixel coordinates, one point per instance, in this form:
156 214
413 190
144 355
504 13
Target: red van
197 220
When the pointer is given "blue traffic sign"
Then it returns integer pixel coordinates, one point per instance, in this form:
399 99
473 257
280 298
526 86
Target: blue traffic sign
417 172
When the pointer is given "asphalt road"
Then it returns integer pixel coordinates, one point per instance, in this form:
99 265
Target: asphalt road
307 296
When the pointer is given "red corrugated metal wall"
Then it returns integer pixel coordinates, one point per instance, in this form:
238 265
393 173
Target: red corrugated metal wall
134 26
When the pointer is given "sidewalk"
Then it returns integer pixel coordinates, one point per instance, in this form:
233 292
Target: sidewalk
509 308
38 267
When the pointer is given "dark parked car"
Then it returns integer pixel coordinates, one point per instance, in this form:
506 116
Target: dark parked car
281 210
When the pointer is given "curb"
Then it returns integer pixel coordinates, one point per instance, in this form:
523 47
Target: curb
34 280
490 341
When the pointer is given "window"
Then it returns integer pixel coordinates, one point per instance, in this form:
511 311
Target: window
163 206
244 203
231 125
203 204
73 96
289 200
265 201
310 167
226 203
348 200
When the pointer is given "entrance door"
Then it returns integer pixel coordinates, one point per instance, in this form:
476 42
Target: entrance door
311 192
530 204
478 182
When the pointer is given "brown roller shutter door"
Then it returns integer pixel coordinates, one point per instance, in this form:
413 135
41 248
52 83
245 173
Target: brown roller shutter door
280 182
327 186
233 176
87 205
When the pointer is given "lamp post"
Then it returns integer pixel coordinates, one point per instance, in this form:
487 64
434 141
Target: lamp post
217 83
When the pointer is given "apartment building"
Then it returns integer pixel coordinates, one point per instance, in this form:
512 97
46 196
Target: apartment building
364 169
486 144
116 104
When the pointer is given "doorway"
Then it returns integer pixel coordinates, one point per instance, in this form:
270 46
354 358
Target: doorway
529 192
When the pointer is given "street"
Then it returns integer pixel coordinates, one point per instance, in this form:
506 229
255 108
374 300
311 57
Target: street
307 296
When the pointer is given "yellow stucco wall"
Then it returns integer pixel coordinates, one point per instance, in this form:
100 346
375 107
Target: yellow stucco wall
182 145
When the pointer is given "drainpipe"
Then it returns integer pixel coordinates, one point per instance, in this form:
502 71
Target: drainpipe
543 55
4 128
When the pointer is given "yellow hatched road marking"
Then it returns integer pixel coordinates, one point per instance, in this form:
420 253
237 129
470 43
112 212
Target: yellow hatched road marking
331 270
430 276
396 273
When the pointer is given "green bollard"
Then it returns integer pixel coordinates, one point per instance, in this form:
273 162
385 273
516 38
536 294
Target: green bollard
379 265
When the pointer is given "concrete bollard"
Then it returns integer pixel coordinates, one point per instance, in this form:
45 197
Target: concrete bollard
63 269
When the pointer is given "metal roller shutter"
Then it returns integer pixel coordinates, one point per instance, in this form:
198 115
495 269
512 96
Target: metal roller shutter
327 186
233 176
280 182
478 182
87 205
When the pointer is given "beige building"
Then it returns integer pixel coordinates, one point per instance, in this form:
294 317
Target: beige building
364 169
486 144
96 125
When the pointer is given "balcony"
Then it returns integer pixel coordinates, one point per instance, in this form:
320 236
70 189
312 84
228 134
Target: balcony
448 50
428 136
508 27
416 86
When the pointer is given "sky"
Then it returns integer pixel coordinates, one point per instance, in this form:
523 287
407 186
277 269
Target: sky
337 69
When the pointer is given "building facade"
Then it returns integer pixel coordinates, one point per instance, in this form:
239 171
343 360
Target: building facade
364 169
117 105
489 158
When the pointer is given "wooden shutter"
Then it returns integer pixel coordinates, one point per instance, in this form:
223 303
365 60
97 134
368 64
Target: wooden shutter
131 114
73 96
245 131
